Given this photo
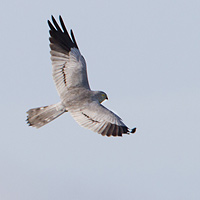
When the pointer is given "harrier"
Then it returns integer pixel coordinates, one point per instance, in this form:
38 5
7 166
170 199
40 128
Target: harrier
70 77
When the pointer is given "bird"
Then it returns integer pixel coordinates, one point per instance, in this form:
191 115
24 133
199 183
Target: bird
69 73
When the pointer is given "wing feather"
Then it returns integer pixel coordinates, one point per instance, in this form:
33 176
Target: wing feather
69 66
99 119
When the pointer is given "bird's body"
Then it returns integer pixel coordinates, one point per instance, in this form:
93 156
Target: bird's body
70 77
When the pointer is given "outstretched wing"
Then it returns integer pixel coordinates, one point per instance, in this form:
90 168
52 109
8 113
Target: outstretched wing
99 119
69 67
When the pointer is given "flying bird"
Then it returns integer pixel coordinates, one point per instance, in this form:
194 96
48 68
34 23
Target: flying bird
70 77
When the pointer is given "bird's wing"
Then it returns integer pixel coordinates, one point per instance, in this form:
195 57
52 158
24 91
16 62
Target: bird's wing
99 119
69 66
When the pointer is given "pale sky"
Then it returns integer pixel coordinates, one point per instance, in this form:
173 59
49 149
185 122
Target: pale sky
145 56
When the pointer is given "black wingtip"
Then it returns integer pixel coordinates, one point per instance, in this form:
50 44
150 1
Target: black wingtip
59 36
52 17
63 24
60 18
73 38
51 26
133 130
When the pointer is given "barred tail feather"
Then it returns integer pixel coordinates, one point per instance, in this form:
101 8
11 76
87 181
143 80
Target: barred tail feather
38 117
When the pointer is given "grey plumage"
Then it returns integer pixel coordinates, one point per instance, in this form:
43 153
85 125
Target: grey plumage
70 77
38 117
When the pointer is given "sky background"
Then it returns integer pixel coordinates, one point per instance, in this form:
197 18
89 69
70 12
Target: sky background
145 56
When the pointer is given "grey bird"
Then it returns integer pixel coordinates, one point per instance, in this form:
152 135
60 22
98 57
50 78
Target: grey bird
70 77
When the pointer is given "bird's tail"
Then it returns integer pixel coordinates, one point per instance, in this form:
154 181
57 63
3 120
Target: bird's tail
38 117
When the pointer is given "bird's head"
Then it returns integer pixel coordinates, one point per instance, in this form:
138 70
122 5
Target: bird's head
101 96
